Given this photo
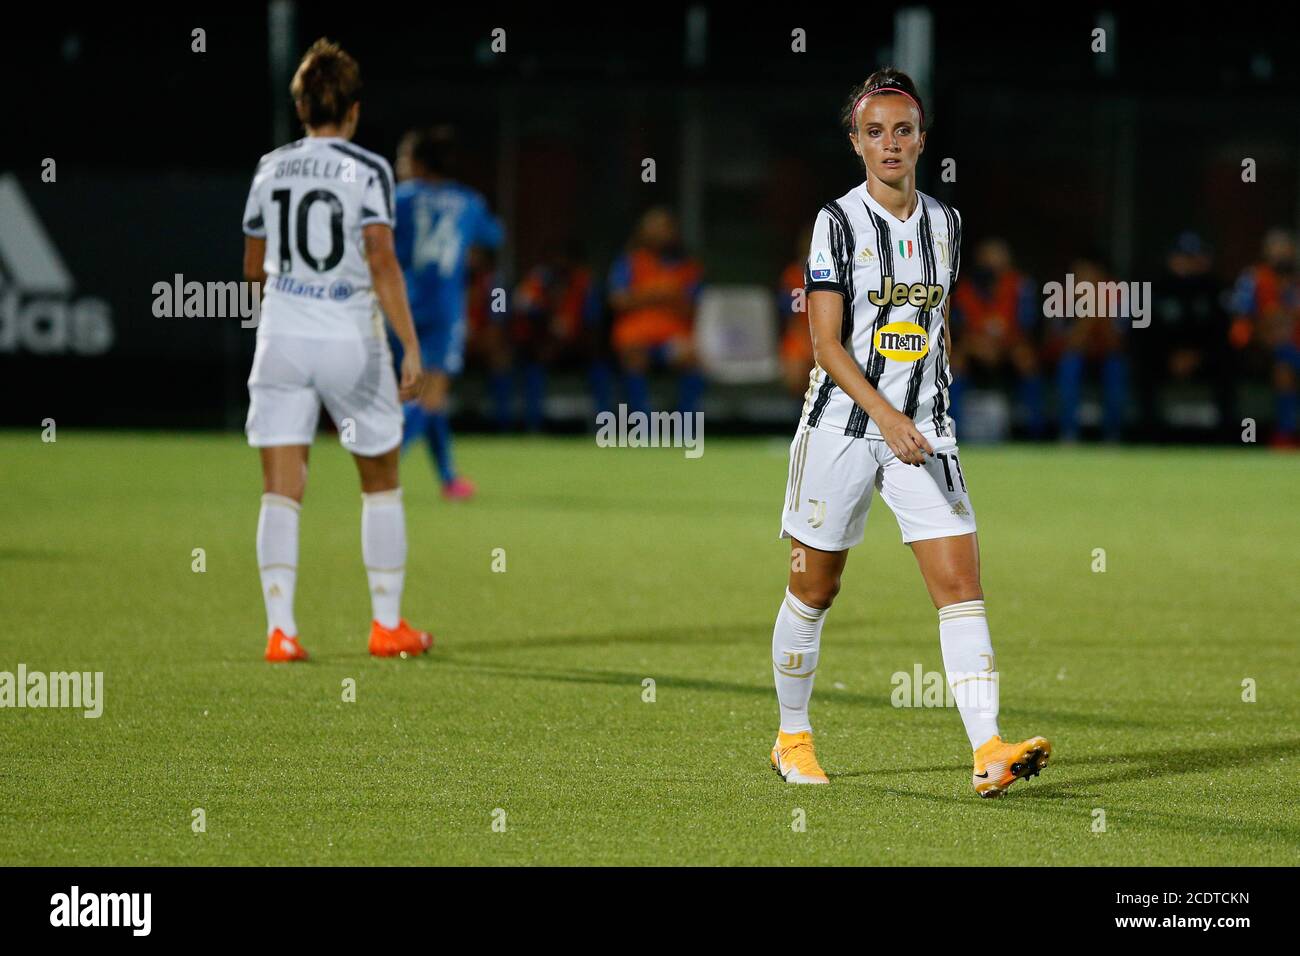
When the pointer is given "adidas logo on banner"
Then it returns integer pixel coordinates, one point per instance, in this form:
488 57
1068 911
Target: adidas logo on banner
38 312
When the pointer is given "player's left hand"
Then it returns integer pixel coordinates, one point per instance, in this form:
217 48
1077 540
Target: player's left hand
903 438
412 376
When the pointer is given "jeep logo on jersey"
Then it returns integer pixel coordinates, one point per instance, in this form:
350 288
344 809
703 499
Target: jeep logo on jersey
900 293
902 341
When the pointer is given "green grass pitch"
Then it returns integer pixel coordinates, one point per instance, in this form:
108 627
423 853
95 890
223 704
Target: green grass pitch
622 565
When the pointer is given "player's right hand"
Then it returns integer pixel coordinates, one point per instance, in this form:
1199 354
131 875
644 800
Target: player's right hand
408 389
903 438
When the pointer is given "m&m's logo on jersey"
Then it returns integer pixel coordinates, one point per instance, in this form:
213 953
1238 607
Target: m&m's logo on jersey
902 341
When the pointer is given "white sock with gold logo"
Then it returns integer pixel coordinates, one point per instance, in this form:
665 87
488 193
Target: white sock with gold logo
796 645
383 548
972 671
277 560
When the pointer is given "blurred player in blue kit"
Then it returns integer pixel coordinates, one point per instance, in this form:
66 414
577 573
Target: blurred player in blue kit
438 222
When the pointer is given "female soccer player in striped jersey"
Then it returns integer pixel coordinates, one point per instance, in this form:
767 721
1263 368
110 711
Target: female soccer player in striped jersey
318 233
880 271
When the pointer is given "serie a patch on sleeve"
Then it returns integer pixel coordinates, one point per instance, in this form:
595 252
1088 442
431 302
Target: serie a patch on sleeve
820 265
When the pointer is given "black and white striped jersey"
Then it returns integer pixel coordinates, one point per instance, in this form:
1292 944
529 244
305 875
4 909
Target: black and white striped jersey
310 200
895 278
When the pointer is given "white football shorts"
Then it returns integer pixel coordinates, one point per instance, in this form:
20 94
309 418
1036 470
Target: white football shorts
293 375
832 478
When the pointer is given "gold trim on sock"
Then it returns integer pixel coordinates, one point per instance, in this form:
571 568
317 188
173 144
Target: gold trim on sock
788 674
953 615
992 680
800 614
283 501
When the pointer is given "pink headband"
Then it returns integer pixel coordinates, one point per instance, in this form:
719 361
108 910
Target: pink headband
886 89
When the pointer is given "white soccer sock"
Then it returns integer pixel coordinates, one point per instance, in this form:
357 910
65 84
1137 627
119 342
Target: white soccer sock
383 548
972 671
796 645
277 560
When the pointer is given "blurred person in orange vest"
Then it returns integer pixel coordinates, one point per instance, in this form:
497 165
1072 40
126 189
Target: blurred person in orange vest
995 321
1266 305
559 313
653 289
796 341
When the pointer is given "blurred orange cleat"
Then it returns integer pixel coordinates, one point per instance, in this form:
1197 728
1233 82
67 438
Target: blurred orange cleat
398 641
280 648
998 765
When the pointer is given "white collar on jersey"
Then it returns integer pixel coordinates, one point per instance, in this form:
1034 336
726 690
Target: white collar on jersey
882 211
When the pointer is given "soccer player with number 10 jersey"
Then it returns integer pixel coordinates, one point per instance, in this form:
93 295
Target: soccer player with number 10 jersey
318 230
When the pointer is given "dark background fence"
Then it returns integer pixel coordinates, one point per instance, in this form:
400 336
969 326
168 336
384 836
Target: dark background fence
1057 149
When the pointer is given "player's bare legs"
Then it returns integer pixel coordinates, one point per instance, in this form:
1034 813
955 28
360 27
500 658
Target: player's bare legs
284 480
378 473
383 548
815 575
796 646
951 569
284 470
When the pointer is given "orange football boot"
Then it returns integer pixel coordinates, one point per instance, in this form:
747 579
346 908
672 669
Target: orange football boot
795 760
998 765
280 647
398 641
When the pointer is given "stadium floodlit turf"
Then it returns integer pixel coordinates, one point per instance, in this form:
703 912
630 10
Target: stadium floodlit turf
624 565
